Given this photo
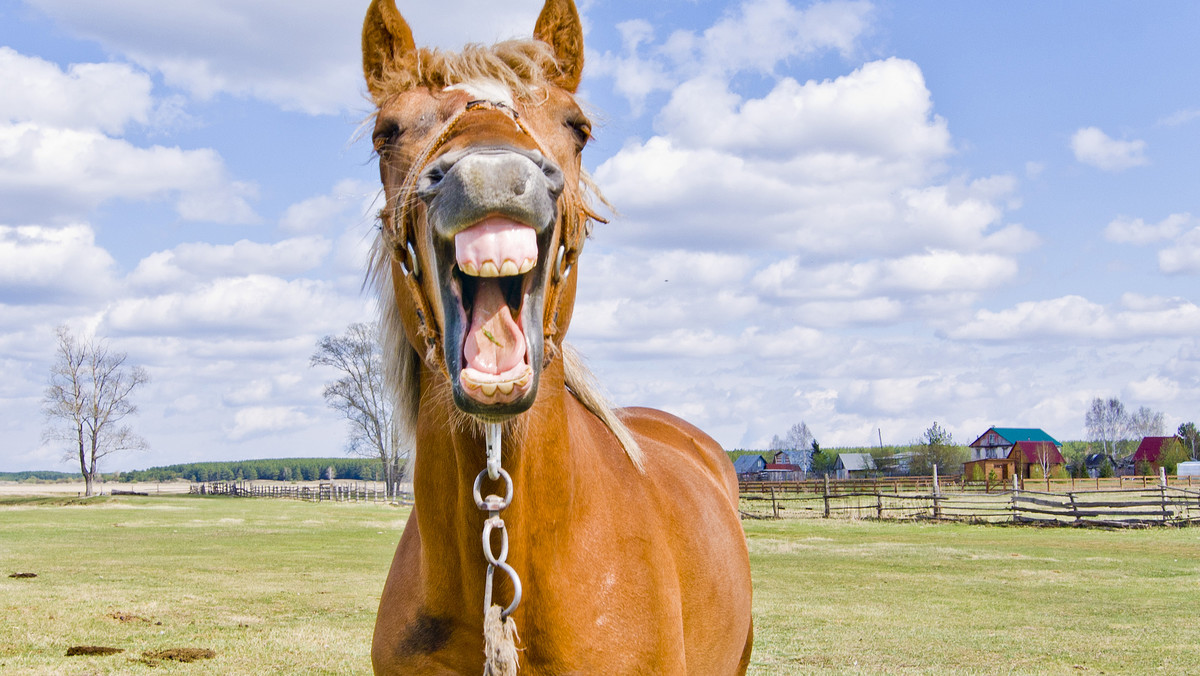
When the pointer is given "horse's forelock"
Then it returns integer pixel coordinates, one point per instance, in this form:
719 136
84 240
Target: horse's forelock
523 66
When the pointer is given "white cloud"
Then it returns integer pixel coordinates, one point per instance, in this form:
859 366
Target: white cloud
1095 148
40 264
932 272
1136 231
100 96
1180 117
882 111
300 55
191 262
761 33
634 76
833 167
1183 256
48 174
349 201
257 421
1077 317
253 305
1155 389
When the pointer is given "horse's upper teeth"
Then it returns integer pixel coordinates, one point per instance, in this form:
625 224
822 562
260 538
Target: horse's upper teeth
509 268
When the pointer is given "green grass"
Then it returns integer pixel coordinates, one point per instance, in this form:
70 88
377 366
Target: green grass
283 587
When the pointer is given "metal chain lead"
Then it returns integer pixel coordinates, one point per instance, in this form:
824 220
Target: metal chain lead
493 504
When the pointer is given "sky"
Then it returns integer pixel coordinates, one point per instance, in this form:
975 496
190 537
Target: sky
866 216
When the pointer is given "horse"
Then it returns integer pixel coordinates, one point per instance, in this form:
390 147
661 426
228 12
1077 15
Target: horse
621 550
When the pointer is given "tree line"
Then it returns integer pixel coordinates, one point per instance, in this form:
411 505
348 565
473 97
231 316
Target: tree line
273 469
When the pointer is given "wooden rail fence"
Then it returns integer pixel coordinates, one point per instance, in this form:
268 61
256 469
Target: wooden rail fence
1137 506
332 492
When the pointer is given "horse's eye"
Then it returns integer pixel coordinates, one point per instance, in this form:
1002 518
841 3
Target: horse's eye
582 128
386 133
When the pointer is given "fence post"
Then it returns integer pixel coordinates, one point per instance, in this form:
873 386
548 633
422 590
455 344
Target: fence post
1162 486
826 496
1016 490
774 506
937 492
879 503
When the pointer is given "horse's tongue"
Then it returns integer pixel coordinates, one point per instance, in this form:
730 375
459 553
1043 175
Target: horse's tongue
495 343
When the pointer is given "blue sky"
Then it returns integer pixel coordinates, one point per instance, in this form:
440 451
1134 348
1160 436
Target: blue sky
867 216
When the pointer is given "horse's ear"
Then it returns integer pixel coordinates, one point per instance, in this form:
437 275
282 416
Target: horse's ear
386 40
558 26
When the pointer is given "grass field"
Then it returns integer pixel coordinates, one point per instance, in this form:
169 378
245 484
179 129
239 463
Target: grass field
281 587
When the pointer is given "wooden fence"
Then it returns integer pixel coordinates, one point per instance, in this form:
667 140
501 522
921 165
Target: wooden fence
332 492
1137 506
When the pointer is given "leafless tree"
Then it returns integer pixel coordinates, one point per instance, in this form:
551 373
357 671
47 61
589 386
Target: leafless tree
87 401
1107 422
1146 423
360 395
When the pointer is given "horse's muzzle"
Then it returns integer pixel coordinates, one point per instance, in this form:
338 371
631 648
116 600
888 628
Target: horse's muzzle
492 213
463 188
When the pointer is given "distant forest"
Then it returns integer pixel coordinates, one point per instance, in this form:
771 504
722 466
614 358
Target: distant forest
277 469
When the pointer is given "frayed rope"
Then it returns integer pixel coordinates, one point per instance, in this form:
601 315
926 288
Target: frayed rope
499 644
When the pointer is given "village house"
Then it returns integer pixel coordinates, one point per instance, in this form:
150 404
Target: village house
1003 452
1036 459
1149 450
998 442
853 465
749 467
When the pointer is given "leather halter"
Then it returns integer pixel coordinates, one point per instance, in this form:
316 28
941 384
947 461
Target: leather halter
399 232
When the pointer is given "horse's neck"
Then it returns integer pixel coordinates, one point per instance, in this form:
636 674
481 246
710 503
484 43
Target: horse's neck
449 457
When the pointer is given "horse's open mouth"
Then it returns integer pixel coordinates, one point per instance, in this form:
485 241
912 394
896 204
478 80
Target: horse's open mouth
493 260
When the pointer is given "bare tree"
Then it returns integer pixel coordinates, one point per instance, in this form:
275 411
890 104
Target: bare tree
1107 422
361 396
1146 423
88 398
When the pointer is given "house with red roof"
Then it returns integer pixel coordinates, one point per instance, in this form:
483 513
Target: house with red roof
998 442
1003 452
1040 457
1150 449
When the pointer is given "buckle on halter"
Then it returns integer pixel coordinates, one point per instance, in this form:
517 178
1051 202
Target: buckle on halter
494 105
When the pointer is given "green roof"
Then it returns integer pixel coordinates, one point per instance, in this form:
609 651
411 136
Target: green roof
1015 434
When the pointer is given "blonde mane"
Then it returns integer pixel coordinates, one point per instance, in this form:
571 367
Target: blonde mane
524 66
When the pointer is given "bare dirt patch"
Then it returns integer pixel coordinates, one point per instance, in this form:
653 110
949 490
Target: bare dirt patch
153 657
22 575
100 650
124 618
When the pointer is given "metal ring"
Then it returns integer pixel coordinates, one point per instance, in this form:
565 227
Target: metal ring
488 526
516 583
508 490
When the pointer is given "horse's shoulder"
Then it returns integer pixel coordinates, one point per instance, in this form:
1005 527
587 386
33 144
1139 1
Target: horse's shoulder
673 439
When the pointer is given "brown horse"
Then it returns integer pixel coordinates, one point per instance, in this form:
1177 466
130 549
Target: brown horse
622 524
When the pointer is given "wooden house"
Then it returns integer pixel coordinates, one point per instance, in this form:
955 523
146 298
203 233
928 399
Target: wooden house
1149 451
783 472
854 465
749 467
998 442
1042 457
